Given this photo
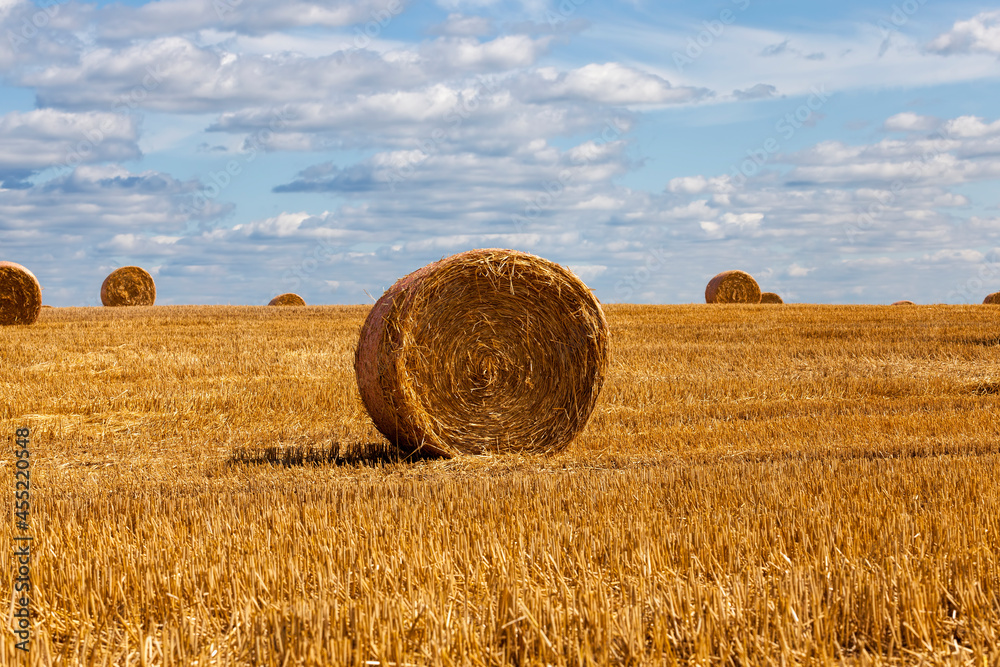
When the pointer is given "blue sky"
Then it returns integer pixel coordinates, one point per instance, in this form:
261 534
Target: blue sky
840 152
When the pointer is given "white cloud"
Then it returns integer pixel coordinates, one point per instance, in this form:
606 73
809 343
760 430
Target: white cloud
588 271
980 33
35 140
162 17
761 91
796 271
743 220
910 122
470 55
461 25
840 60
608 83
971 127
433 119
952 256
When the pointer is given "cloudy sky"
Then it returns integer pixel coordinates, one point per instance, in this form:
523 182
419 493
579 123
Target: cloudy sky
843 152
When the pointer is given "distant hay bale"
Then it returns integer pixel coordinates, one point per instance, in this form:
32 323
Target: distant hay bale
20 295
993 298
487 351
128 286
903 303
732 287
288 299
770 297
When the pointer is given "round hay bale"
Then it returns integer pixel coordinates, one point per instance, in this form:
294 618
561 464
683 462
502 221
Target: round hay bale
993 298
903 303
732 287
20 295
487 351
770 297
128 286
287 300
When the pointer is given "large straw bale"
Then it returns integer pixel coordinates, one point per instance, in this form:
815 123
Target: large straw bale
770 297
903 303
732 287
993 298
128 286
20 295
487 351
288 299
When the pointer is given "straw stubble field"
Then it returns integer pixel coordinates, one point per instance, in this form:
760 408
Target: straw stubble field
758 485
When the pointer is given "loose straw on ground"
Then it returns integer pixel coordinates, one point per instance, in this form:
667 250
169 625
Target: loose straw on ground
487 351
128 286
288 299
770 297
732 287
20 295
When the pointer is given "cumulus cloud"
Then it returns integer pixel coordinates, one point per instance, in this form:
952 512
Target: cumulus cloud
908 121
175 74
461 25
608 83
971 127
981 34
500 179
468 54
967 149
164 17
35 140
761 91
103 199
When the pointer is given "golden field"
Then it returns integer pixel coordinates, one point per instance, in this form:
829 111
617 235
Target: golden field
758 485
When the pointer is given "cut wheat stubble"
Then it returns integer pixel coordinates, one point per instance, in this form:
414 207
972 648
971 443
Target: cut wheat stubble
487 351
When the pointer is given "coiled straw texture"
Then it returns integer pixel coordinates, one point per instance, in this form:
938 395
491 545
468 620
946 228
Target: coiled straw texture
20 295
128 286
288 299
732 287
487 351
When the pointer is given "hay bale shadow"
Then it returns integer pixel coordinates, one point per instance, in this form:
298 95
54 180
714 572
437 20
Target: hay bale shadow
371 454
983 341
